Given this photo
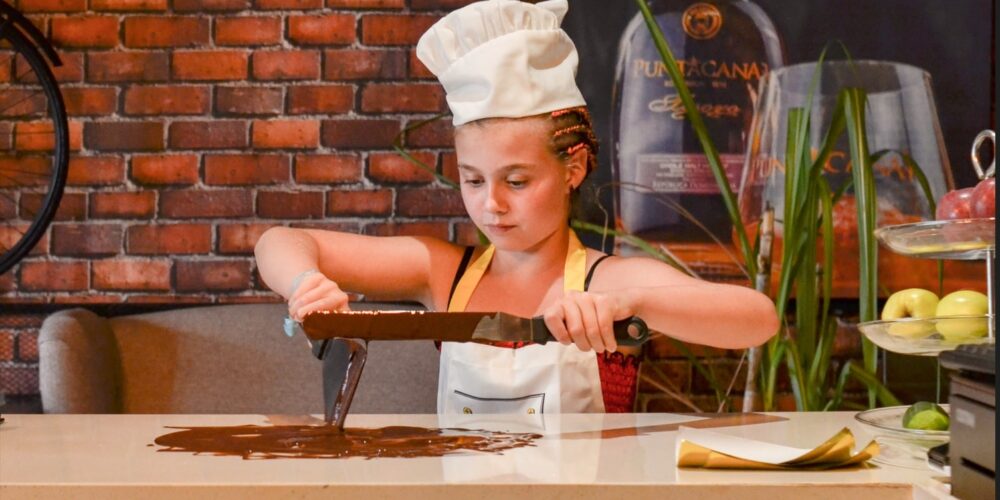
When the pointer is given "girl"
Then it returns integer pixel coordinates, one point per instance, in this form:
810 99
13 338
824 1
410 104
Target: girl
524 144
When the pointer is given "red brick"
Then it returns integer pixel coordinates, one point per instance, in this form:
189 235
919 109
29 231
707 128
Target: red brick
163 32
248 100
8 206
165 169
286 65
436 134
285 205
7 282
240 239
327 169
127 67
240 169
206 204
45 276
91 240
29 167
417 70
466 233
6 345
445 5
329 29
90 101
255 31
210 5
169 239
124 136
678 372
416 98
391 167
9 234
209 65
436 229
129 5
358 64
40 136
95 170
429 202
366 202
85 32
288 4
214 275
360 134
168 298
28 6
366 4
449 166
123 205
19 380
166 100
310 99
23 102
90 298
394 29
218 134
71 70
131 274
276 134
72 206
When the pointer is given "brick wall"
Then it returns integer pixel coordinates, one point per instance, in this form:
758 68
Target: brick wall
198 124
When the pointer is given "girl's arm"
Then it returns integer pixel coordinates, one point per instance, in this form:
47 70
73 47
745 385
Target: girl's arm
670 302
383 268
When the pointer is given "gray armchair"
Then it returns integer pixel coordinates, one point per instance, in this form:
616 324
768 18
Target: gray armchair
214 359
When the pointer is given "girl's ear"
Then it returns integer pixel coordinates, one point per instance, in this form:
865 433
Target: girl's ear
576 168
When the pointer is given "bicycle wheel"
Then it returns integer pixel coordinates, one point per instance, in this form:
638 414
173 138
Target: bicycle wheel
34 139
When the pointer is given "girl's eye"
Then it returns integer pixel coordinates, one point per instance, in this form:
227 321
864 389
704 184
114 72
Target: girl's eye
516 183
473 182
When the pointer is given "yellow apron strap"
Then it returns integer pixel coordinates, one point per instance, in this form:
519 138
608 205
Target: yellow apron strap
574 274
469 281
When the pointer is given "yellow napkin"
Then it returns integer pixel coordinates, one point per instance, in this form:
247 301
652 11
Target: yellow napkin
714 450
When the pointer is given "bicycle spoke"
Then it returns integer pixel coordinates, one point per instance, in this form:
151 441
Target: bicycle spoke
3 111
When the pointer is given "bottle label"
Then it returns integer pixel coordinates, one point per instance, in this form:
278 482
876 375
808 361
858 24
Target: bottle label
685 173
702 21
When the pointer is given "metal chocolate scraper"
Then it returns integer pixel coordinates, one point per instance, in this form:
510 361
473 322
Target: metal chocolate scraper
448 326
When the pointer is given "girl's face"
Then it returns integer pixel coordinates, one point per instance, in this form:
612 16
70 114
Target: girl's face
515 188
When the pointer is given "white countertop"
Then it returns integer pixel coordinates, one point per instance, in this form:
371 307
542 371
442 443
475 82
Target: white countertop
111 456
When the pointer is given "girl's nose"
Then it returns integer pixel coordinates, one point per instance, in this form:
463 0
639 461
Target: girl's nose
495 202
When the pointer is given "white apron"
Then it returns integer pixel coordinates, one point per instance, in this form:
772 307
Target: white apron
551 378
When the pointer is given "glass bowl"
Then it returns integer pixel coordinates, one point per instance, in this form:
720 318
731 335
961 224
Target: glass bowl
889 422
899 446
960 239
928 336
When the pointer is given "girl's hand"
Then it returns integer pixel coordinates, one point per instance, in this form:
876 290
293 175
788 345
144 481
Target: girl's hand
316 293
586 319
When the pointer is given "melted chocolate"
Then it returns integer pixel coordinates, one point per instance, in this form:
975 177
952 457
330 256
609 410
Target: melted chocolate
326 441
337 412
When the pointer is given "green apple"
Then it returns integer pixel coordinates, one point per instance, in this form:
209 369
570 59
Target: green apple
911 303
963 303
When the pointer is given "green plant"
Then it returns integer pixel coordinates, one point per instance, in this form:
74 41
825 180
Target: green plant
808 223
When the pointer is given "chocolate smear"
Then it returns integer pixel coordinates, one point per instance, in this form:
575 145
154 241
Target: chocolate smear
326 441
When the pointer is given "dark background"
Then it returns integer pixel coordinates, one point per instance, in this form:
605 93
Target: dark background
950 39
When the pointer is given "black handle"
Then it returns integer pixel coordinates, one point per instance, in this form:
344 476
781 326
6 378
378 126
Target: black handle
628 332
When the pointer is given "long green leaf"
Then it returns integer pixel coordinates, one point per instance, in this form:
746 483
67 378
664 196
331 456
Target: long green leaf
698 124
864 194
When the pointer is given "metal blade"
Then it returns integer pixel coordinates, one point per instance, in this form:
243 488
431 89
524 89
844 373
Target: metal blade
506 328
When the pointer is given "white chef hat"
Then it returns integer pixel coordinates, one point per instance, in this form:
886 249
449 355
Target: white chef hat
503 58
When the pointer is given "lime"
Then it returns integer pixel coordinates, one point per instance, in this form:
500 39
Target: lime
925 416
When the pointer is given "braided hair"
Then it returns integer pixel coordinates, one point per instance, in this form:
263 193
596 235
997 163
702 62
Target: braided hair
573 131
